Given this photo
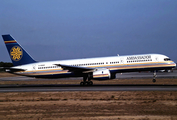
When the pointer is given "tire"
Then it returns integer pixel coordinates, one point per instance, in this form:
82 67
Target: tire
90 83
82 83
154 80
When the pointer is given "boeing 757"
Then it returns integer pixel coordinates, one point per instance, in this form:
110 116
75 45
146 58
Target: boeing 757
100 68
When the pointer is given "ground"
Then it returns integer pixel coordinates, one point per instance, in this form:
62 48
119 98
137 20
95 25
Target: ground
89 105
133 105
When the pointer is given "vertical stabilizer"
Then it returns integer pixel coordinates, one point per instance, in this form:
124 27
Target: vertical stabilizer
17 54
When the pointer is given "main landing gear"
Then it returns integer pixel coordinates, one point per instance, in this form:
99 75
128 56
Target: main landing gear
84 82
154 80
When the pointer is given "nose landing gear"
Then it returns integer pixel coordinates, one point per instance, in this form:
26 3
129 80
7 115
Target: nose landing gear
155 75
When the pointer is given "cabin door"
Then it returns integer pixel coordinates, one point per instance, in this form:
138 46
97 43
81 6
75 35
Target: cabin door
34 68
122 61
157 59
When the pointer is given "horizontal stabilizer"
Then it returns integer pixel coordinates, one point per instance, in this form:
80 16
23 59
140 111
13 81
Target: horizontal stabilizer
10 69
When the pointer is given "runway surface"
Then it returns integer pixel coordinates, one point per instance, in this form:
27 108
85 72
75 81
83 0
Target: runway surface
51 88
118 76
95 87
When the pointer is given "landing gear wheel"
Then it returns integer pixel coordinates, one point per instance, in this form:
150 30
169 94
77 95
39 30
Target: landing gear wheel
90 83
154 80
86 83
82 83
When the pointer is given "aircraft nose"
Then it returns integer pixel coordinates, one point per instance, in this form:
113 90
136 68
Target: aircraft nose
174 63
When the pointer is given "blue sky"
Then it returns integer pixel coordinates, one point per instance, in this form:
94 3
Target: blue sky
69 29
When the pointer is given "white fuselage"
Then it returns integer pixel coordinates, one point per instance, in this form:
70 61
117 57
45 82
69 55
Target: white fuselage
115 64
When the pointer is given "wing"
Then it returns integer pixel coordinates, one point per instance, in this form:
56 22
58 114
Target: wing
76 68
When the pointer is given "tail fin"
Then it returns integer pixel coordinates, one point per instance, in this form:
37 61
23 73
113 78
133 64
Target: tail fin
17 54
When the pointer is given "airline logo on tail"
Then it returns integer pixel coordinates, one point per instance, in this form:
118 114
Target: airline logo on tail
16 53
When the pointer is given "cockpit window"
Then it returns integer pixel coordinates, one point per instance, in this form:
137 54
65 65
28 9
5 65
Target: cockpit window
167 59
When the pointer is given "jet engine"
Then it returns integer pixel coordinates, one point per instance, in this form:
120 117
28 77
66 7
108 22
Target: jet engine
103 74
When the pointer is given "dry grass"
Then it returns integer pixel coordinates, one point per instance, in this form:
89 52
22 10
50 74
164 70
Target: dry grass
89 105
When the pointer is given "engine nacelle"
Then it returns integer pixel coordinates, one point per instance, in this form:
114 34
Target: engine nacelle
103 74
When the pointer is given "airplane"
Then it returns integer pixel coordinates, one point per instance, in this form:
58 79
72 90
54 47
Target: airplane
100 68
